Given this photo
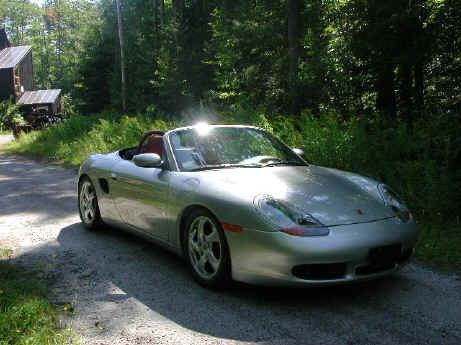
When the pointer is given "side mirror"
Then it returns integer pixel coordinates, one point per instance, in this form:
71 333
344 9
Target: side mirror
147 160
299 152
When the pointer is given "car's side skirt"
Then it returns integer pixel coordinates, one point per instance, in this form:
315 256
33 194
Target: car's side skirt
136 232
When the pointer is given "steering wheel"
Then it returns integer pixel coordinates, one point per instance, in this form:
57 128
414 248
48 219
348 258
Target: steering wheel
144 138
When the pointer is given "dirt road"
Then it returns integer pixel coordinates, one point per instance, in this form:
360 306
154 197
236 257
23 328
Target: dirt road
141 294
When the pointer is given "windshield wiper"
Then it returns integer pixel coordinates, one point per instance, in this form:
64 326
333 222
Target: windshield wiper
282 162
223 166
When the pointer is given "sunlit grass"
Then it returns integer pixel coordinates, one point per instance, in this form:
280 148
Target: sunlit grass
26 316
72 141
5 252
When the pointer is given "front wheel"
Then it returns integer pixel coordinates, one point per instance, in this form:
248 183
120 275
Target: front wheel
88 204
206 250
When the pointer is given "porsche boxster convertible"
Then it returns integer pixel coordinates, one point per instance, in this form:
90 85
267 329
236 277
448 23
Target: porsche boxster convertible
238 204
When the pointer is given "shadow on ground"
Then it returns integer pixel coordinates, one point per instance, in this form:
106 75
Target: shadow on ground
135 283
31 188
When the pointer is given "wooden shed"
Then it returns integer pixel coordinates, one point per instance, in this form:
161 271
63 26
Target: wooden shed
41 107
16 72
47 101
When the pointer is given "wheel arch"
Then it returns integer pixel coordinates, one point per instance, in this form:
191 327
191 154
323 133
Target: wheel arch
82 176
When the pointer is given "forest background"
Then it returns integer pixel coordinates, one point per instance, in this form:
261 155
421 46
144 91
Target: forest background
364 85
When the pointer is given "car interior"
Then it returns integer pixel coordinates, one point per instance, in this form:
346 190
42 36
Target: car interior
151 142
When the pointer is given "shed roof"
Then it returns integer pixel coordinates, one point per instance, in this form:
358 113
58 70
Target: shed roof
39 97
10 57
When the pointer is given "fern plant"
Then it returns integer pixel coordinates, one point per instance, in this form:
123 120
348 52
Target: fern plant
10 115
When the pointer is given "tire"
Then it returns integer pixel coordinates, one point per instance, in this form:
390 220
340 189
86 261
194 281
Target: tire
206 250
88 208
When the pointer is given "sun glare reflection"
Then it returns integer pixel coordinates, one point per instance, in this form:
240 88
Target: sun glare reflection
203 128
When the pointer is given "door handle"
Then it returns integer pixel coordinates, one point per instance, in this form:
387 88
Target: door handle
113 176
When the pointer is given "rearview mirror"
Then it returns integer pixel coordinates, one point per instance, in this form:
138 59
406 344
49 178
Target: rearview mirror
147 160
299 152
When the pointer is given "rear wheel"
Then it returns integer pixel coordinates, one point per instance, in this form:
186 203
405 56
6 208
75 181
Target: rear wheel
88 204
206 250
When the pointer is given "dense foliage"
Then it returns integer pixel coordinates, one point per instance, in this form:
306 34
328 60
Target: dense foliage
10 115
396 59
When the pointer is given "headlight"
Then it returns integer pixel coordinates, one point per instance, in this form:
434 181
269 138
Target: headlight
392 200
288 218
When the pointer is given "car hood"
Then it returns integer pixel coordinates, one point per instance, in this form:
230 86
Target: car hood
332 196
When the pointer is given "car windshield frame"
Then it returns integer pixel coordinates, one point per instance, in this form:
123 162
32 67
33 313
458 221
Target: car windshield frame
292 158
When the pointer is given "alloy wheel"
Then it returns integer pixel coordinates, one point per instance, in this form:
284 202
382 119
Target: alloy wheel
87 202
205 247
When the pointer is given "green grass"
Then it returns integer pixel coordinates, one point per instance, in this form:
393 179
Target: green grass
439 246
26 316
71 141
419 162
5 252
5 132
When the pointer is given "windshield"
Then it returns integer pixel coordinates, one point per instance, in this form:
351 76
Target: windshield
221 147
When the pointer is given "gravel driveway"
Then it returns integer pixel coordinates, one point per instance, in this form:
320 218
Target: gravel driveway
138 293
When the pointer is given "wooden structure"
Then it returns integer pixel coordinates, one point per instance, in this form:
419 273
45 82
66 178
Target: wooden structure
17 80
41 101
16 72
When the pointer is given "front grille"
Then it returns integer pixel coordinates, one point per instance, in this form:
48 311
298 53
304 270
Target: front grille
365 270
320 271
386 255
385 258
406 255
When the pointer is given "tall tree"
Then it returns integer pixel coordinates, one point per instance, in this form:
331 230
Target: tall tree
295 32
122 54
162 12
155 7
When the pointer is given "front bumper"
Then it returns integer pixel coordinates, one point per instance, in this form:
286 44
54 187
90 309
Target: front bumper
270 258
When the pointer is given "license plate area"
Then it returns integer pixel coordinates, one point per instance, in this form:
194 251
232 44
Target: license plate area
386 255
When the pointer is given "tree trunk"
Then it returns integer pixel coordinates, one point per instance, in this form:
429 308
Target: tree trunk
406 95
294 49
178 7
155 5
385 101
59 38
162 11
122 54
228 6
419 86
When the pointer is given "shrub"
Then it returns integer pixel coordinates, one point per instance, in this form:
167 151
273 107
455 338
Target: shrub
10 115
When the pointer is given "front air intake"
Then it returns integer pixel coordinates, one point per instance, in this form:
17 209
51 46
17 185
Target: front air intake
320 271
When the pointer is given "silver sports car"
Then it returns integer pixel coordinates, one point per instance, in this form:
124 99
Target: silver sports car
237 203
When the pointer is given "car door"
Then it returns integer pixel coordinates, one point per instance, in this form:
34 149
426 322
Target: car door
141 197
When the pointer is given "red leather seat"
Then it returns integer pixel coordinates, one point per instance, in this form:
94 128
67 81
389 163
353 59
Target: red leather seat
154 145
